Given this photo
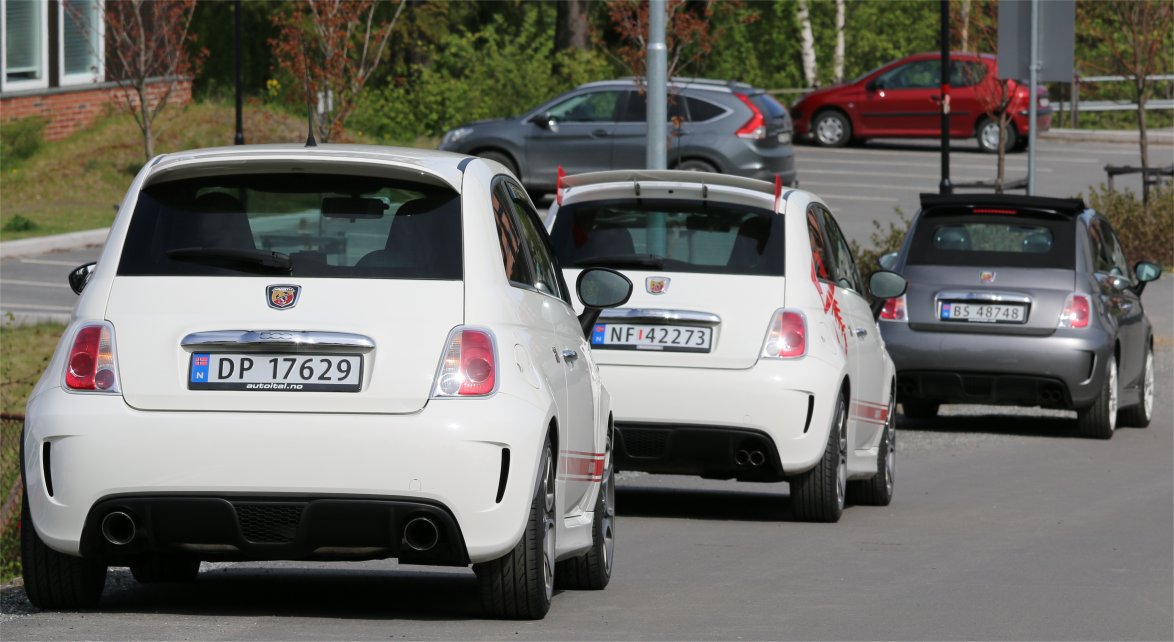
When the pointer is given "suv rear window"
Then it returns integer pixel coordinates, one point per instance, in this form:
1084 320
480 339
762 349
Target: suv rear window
308 225
767 104
986 241
671 235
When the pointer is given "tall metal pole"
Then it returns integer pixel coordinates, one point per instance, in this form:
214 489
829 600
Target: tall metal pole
1032 84
945 187
239 139
657 87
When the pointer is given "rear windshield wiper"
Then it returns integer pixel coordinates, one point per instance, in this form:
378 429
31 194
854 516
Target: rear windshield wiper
637 260
259 260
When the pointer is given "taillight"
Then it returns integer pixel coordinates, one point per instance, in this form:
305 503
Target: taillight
91 364
755 128
894 309
1077 311
469 368
786 338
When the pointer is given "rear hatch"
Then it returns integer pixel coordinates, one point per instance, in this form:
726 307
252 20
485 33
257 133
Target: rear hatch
287 292
776 119
994 270
707 276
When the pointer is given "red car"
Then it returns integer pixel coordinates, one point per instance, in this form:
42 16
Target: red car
903 99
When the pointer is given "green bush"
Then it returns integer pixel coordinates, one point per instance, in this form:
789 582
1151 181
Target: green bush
883 240
20 139
1146 237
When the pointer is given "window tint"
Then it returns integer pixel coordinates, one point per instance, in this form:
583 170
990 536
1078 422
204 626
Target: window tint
545 269
767 104
1113 260
591 107
679 235
845 271
328 225
915 75
965 73
636 108
993 241
701 111
821 258
509 233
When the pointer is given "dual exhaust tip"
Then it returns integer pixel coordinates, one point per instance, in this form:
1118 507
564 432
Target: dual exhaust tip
754 458
421 534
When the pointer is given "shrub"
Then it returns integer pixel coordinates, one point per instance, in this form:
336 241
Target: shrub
19 223
20 139
1146 237
884 240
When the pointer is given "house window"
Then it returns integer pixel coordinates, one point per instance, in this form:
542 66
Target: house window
81 41
25 51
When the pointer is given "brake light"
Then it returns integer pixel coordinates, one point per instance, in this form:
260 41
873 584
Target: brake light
91 364
991 210
755 128
786 338
894 309
469 368
1077 311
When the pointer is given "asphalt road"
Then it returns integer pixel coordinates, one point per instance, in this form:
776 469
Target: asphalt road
1005 525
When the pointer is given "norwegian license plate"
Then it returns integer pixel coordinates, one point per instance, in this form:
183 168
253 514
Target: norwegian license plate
667 338
983 312
275 372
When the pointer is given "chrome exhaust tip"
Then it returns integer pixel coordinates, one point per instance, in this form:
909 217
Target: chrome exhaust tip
118 528
741 457
421 534
757 458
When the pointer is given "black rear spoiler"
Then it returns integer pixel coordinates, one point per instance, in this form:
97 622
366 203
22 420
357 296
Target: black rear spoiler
1067 207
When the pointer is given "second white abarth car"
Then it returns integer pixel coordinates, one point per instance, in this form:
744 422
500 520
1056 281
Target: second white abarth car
323 353
750 349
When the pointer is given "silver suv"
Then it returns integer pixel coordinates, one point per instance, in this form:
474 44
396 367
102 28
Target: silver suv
714 126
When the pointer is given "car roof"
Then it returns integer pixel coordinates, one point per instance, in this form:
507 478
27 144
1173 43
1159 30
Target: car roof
970 203
667 176
705 84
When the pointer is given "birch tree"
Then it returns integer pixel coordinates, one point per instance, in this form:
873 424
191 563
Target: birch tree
807 44
838 58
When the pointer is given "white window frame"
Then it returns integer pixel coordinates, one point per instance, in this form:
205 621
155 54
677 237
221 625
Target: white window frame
88 77
43 29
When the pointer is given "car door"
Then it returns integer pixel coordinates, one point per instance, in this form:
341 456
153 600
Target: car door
630 142
579 136
970 91
866 352
906 101
1121 301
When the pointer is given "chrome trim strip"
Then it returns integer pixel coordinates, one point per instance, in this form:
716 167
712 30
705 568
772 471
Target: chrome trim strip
652 315
281 340
997 297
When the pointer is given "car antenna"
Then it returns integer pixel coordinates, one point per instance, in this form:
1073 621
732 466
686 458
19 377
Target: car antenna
310 142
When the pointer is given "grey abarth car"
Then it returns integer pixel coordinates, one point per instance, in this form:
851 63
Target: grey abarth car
1023 301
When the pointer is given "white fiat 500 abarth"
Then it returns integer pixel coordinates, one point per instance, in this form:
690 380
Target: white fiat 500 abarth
750 349
323 353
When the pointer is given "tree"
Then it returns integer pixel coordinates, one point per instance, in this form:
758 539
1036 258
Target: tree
980 25
571 29
330 48
689 34
807 39
838 57
1134 39
147 55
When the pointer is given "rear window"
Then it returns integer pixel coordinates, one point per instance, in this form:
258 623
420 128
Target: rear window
670 235
986 241
767 104
307 225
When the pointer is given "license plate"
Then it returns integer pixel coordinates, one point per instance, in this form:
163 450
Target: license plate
275 372
668 338
983 312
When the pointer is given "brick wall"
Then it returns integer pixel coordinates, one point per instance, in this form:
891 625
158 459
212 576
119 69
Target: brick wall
69 110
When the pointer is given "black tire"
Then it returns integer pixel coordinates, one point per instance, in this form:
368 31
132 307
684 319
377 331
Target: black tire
878 491
831 129
519 585
592 570
503 158
818 495
919 409
165 569
1099 420
694 165
987 135
55 580
1139 416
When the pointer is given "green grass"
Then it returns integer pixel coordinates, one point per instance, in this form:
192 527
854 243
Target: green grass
24 354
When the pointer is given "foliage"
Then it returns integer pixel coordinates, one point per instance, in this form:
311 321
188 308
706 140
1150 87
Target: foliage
20 139
689 34
1146 237
19 223
214 22
330 48
884 240
147 40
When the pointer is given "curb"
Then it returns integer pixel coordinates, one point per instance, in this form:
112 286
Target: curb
1164 136
42 244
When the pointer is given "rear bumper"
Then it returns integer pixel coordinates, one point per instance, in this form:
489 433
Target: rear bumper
84 451
763 163
958 367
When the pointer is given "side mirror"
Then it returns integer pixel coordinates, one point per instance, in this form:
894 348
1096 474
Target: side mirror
887 261
80 276
1146 272
884 285
874 85
600 288
546 121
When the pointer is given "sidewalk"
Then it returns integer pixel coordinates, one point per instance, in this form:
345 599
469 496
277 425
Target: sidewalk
1163 136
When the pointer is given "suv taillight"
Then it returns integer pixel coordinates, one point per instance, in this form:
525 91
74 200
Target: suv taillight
469 368
894 309
1077 311
91 365
786 338
755 128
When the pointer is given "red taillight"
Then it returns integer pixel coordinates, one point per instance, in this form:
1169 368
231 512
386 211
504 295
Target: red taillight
1077 311
787 336
91 360
991 210
894 309
470 366
755 128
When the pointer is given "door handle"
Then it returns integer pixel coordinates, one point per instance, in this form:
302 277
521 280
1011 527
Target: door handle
862 332
570 355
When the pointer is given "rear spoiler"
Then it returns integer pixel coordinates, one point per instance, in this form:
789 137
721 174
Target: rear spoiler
1005 203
